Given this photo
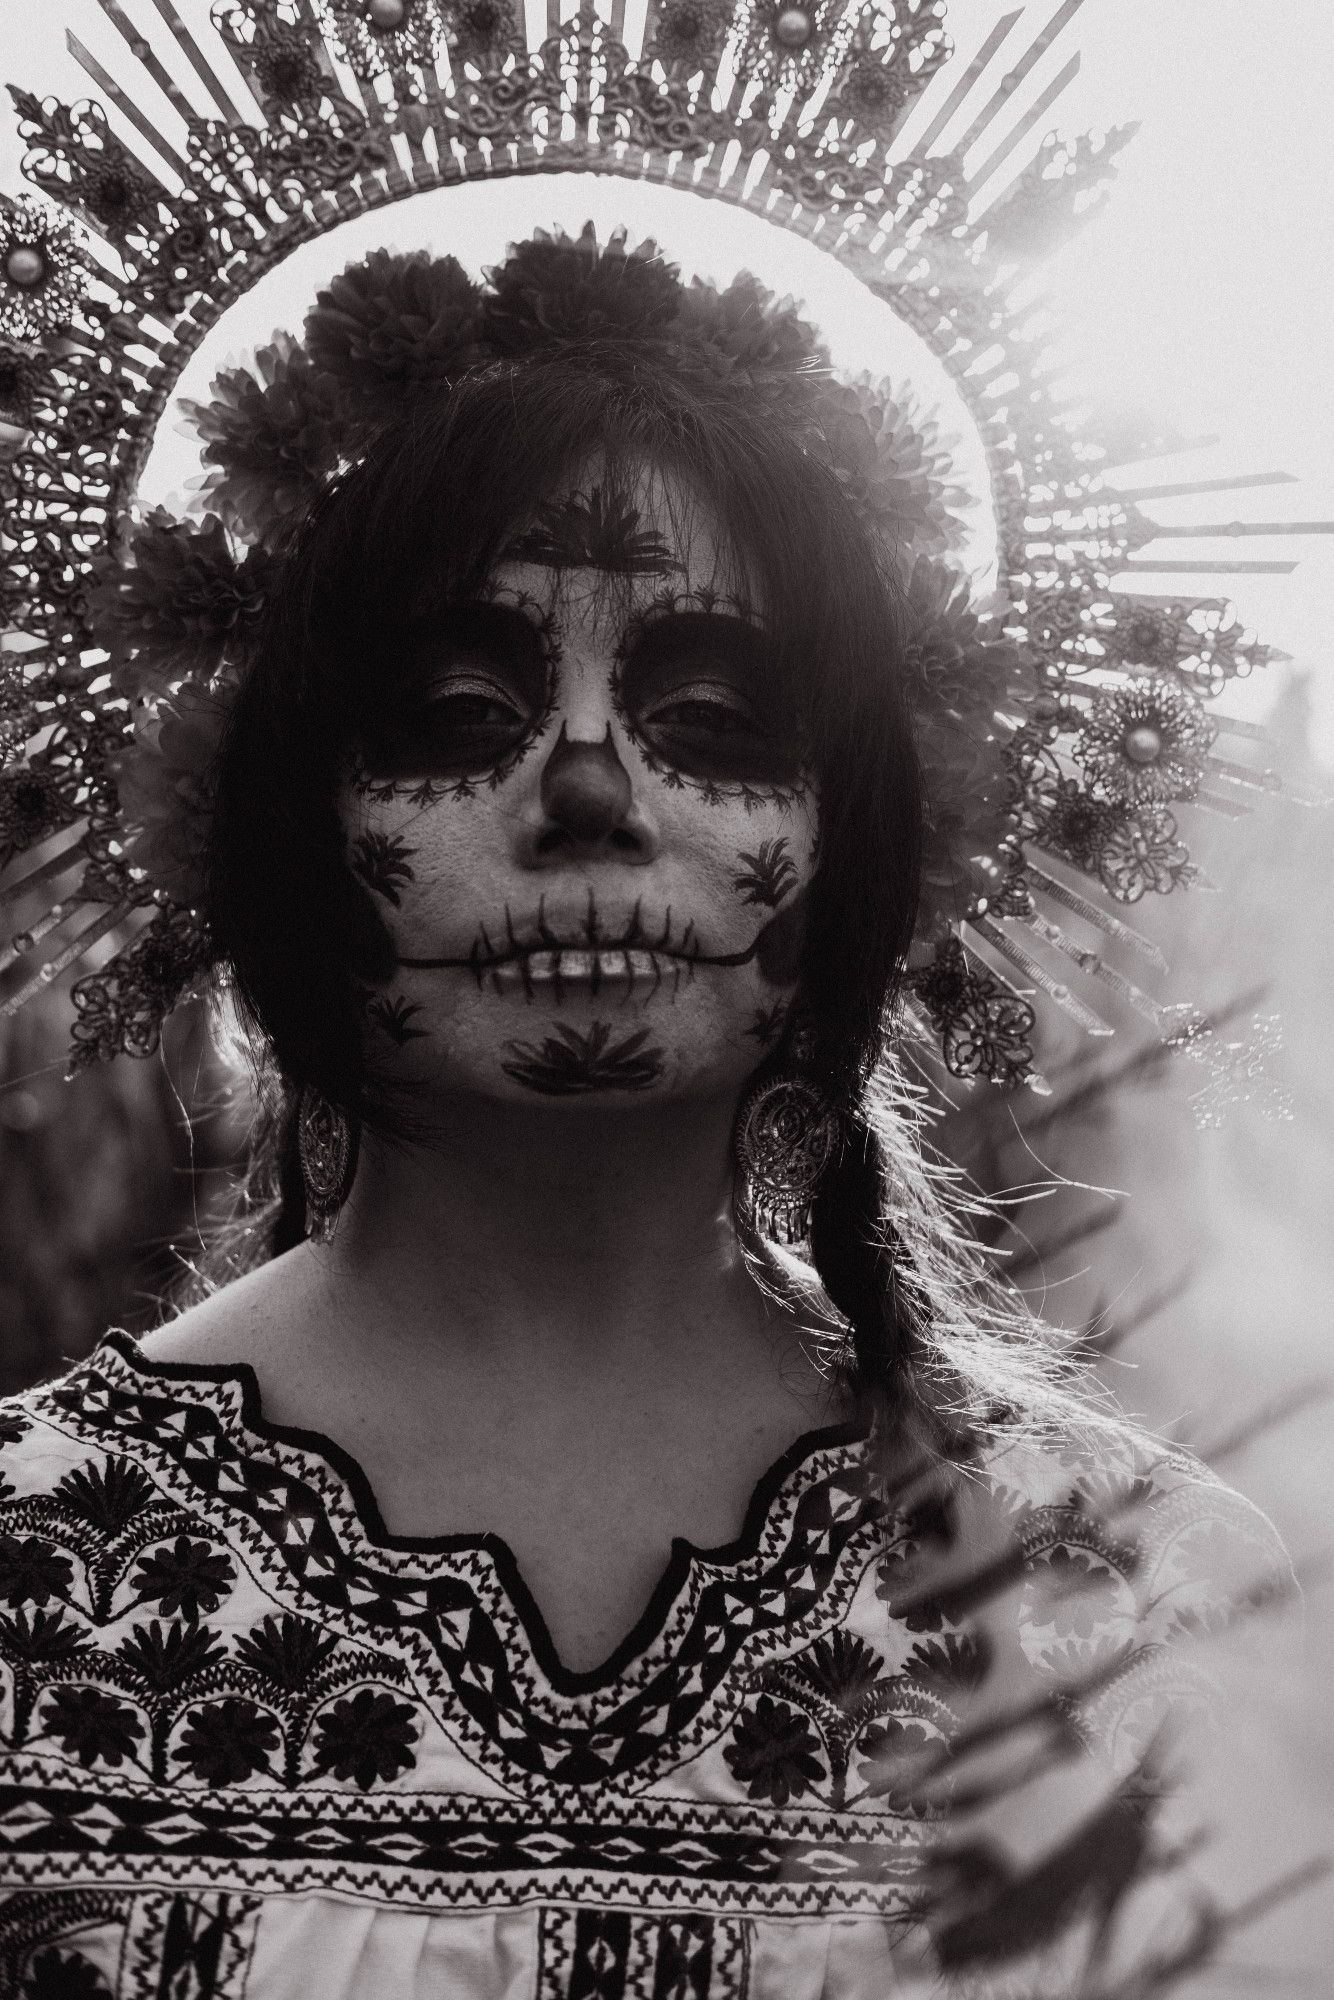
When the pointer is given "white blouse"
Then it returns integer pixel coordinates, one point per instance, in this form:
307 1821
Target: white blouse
257 1748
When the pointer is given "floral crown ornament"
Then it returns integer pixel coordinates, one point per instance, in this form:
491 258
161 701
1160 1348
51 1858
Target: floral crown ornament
1064 728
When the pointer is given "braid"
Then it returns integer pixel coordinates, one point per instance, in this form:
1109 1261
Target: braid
289 1227
854 1262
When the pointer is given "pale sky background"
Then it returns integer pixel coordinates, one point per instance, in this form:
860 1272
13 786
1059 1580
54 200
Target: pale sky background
1201 292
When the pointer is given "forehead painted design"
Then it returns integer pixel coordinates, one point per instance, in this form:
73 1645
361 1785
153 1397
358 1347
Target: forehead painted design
598 530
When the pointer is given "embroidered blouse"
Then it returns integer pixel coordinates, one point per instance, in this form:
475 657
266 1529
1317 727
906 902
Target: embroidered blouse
256 1748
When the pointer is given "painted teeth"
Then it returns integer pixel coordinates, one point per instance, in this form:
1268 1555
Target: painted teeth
549 967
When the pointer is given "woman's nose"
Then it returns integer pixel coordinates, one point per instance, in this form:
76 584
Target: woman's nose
588 801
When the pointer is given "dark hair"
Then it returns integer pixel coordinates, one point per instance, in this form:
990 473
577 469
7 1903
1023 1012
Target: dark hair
427 509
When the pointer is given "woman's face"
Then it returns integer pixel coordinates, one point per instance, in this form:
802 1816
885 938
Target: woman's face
583 815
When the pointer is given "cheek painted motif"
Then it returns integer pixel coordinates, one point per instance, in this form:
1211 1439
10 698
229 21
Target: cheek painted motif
395 1018
384 863
767 875
767 1024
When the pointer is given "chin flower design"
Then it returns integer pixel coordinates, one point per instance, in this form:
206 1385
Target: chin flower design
43 270
390 323
1145 744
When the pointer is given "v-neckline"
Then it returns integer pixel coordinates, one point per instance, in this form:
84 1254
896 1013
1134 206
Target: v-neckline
365 1536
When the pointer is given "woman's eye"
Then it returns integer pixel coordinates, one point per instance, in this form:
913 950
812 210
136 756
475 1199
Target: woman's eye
468 692
706 713
474 709
700 691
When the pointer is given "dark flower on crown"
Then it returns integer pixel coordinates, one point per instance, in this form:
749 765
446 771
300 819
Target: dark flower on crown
741 335
1077 826
20 373
566 288
481 28
34 802
164 776
888 456
285 65
385 35
1150 637
118 193
391 322
687 33
181 605
271 438
1146 743
962 678
872 91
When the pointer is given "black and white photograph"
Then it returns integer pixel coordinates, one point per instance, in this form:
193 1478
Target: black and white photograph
666 1000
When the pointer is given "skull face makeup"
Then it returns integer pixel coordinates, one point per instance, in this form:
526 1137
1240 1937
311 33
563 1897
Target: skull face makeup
583 816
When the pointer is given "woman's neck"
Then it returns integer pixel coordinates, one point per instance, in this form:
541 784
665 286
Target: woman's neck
594 1239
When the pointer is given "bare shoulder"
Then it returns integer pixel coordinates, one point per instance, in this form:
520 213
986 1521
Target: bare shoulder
243 1321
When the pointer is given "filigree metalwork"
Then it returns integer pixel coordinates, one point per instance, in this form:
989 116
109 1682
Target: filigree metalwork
984 1029
43 270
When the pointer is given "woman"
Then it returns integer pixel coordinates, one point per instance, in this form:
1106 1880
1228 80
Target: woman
534 1579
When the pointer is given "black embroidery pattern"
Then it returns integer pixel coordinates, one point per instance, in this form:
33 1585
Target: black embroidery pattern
618 1955
216 1682
294 1698
88 1944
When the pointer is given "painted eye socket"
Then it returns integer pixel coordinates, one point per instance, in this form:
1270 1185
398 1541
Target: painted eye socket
699 691
469 691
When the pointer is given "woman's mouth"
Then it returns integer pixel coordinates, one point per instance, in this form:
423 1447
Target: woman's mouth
551 971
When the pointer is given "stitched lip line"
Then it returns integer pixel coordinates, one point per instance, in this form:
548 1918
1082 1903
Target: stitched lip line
541 942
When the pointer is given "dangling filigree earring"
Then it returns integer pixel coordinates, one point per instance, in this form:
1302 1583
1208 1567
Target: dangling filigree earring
785 1136
327 1141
